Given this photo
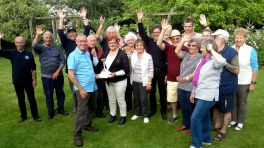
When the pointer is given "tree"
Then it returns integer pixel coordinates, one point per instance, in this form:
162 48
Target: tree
15 15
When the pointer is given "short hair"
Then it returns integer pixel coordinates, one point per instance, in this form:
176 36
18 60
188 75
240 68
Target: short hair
130 34
46 33
198 43
240 31
207 30
142 42
110 27
114 37
20 36
79 36
188 20
209 41
156 26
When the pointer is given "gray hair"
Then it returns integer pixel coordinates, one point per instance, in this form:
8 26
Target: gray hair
79 36
130 34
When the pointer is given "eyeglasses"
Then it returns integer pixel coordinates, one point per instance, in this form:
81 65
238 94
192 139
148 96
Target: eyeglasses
111 42
192 45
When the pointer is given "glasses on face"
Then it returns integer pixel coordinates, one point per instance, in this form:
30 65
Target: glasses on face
191 45
111 43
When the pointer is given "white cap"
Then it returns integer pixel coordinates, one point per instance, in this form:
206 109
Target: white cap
175 32
221 32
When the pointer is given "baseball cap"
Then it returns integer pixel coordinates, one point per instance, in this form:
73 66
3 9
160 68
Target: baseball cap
221 32
175 32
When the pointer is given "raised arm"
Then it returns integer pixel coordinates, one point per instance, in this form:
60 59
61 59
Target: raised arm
4 53
203 21
39 32
83 15
178 49
1 36
141 28
165 26
61 20
61 33
100 28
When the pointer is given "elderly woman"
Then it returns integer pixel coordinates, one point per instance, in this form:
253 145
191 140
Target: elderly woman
141 78
205 92
189 62
248 64
117 64
130 40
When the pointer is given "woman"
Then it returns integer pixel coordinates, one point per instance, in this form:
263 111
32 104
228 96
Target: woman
117 64
248 70
130 40
141 78
205 82
188 64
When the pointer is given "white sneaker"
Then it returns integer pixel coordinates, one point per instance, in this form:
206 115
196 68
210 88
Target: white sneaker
135 117
207 143
146 120
232 123
239 127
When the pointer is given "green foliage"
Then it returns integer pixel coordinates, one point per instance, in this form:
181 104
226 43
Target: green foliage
15 16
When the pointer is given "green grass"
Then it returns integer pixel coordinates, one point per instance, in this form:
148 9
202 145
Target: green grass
135 134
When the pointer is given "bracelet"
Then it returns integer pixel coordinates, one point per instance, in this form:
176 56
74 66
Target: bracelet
253 82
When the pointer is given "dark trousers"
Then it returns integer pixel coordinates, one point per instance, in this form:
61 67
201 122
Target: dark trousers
186 107
74 98
128 95
85 111
141 99
158 78
49 85
101 98
20 88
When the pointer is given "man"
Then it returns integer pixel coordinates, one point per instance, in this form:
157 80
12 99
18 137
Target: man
97 54
206 34
68 42
23 75
160 68
228 84
173 65
52 61
189 30
81 73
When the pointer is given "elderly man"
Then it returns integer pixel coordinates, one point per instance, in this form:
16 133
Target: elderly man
23 75
52 61
228 84
81 73
68 42
160 68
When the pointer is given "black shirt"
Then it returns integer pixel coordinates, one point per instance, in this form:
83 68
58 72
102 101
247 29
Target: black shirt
22 64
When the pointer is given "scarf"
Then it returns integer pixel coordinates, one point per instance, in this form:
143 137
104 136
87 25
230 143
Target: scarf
198 69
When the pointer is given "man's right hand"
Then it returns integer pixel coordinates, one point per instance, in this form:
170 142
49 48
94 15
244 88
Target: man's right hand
83 93
61 14
39 29
140 14
102 20
165 24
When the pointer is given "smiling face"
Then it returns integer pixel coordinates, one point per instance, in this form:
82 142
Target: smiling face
139 47
110 31
175 40
20 43
193 48
91 41
72 35
113 44
156 33
47 38
188 27
130 41
204 50
239 40
81 42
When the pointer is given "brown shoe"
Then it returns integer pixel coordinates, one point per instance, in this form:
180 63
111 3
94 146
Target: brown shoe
90 128
78 141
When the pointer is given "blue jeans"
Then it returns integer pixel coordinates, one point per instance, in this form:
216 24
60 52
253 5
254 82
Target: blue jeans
201 123
49 85
186 107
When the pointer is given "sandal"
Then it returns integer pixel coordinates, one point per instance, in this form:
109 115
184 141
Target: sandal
216 129
220 136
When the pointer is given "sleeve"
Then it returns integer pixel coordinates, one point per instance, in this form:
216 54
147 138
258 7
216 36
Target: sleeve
38 48
86 30
71 62
219 64
104 45
33 64
126 66
184 53
150 68
142 32
63 38
254 60
6 53
61 58
234 61
7 45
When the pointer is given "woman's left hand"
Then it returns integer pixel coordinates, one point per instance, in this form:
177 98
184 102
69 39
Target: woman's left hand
148 87
251 87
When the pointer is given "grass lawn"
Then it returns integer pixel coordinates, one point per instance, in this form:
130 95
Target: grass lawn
58 132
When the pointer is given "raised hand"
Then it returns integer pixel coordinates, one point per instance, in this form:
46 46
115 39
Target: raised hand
1 35
117 27
203 20
39 29
61 14
83 13
102 20
140 14
165 24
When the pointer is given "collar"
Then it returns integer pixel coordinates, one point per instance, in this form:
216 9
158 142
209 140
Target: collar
79 50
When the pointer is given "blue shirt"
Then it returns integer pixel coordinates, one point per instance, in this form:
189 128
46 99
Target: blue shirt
80 62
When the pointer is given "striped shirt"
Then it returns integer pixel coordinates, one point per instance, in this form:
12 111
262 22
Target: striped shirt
137 72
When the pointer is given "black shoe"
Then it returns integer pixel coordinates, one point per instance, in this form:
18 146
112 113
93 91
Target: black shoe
112 119
22 119
151 114
78 141
63 113
100 115
90 128
164 116
51 116
37 119
122 121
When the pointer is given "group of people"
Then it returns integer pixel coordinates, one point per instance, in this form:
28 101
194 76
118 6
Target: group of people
209 78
